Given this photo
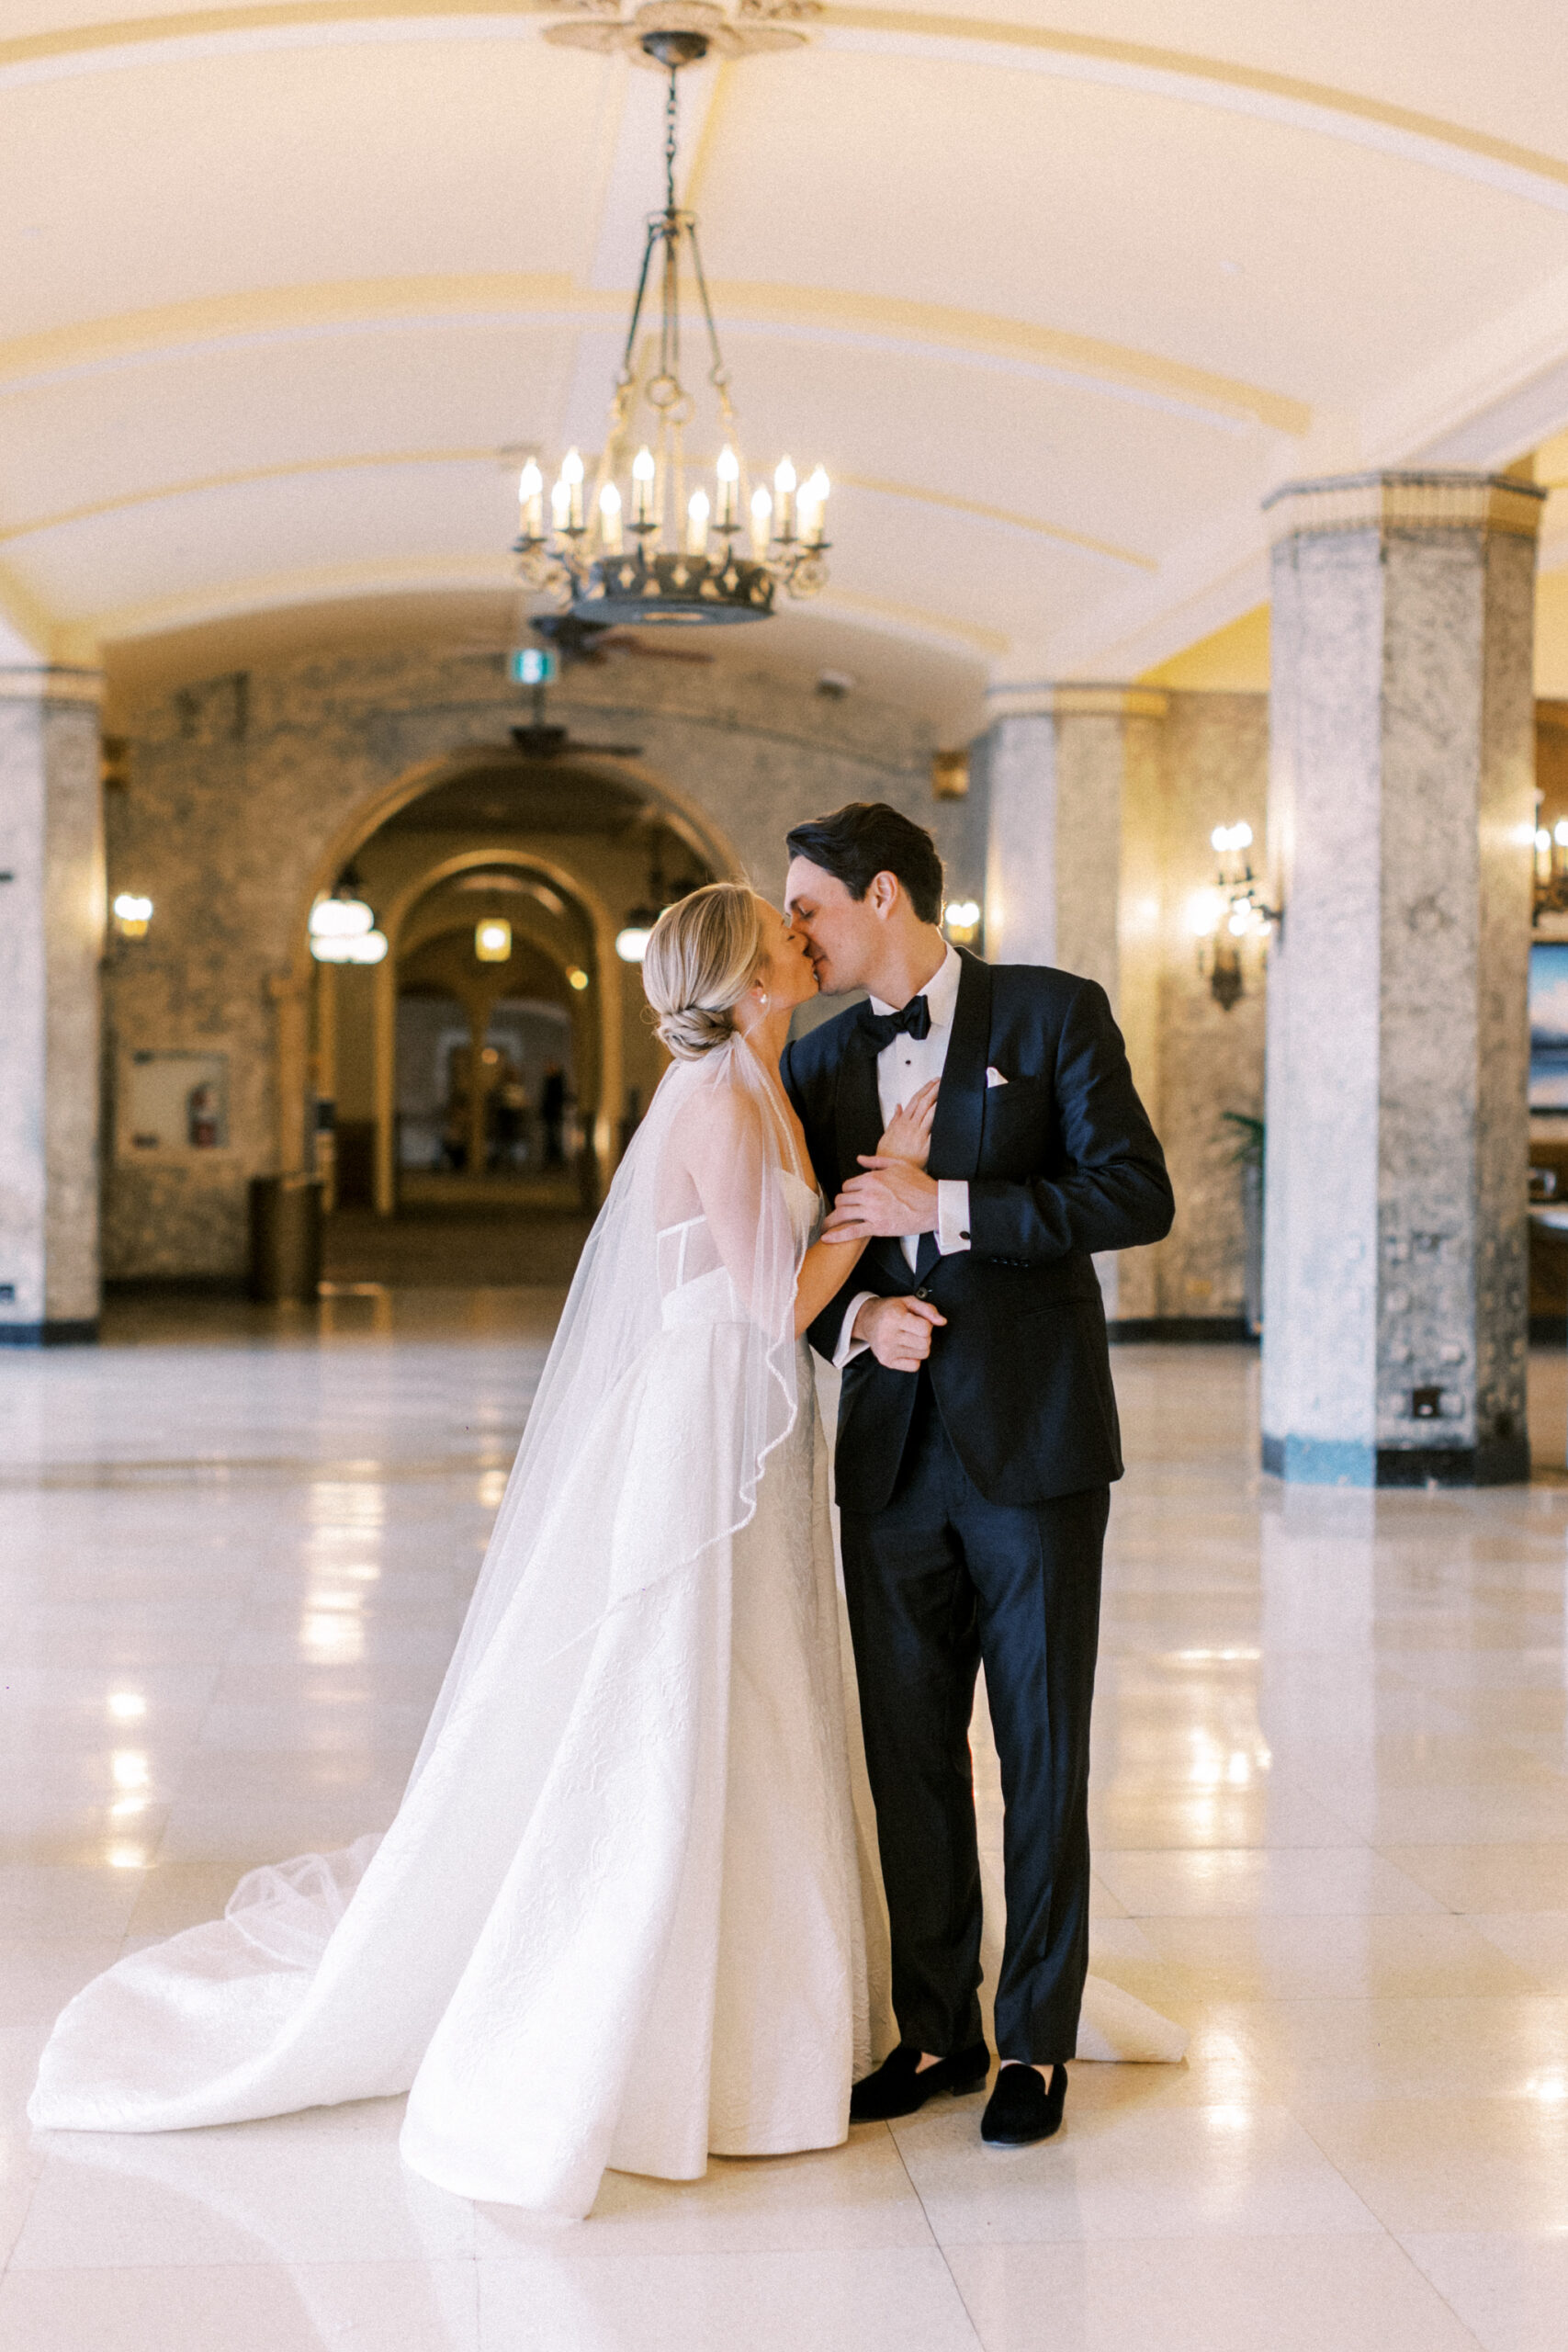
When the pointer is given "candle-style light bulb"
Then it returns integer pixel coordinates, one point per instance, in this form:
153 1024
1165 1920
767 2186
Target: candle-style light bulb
813 503
697 513
762 523
728 473
531 498
571 474
560 504
784 496
610 518
642 489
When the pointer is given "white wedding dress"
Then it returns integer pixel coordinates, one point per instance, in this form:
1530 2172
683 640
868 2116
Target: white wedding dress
620 1918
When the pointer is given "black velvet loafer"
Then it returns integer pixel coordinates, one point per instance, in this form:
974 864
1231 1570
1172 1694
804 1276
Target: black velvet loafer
1021 2109
900 2087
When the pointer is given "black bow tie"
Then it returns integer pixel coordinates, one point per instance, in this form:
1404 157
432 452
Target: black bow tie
915 1021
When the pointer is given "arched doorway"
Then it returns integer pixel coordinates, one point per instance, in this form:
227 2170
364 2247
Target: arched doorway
438 1056
494 971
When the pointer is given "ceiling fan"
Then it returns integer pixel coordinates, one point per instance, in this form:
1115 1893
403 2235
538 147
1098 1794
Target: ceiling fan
579 640
540 740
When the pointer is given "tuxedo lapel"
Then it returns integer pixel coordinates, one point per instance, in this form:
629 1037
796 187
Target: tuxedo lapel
857 1123
961 1098
857 1112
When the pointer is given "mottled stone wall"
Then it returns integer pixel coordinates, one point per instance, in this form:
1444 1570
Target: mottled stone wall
239 787
1101 805
52 933
1214 771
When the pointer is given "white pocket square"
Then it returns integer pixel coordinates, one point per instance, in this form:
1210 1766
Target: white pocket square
994 1076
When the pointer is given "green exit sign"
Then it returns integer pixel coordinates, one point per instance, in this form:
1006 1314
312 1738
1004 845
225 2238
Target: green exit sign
532 665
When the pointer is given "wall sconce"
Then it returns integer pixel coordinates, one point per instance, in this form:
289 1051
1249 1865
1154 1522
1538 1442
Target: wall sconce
1220 918
576 976
132 915
950 775
1218 955
1239 887
962 919
1551 870
631 940
492 941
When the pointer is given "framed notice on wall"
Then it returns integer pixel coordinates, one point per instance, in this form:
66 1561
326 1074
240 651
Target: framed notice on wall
1548 1024
172 1106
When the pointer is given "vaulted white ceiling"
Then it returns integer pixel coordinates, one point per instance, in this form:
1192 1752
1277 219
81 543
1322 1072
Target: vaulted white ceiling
1056 299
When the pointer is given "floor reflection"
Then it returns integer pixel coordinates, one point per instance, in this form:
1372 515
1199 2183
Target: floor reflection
1330 1803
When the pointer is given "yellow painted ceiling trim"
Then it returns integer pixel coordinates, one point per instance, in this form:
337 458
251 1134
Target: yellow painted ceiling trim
272 591
240 476
1219 72
992 514
914 619
985 332
269 592
271 15
291 310
288 310
1188 66
238 480
26 614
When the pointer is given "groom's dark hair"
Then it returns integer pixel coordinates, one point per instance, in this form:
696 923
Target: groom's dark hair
867 838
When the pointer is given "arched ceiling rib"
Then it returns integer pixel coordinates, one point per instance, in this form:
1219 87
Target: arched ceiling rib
1338 112
1057 303
822 316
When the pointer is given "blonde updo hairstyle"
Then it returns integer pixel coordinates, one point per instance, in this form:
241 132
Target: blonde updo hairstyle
703 954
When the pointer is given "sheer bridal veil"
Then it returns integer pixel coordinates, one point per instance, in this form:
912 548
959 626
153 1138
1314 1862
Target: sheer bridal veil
698 1231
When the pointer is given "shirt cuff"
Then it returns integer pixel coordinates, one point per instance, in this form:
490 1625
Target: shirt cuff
850 1347
951 1214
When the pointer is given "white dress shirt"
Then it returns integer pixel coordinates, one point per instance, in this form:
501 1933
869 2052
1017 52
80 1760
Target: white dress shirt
902 1068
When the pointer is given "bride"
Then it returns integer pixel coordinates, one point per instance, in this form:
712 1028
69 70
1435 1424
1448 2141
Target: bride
621 1917
618 1918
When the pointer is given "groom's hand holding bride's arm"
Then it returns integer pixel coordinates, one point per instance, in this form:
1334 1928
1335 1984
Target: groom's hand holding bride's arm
894 1198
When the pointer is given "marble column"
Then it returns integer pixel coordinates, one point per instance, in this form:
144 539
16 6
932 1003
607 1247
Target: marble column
51 944
1072 877
1400 823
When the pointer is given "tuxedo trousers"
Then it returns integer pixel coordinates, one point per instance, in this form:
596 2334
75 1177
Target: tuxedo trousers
939 1582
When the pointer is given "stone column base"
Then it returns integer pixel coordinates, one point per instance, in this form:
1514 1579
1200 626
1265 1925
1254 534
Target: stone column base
50 1335
1342 1461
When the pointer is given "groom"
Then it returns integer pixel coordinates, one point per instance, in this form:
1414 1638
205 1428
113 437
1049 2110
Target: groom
978 1433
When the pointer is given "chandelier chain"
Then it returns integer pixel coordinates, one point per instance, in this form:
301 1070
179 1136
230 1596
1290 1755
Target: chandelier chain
657 555
718 374
671 110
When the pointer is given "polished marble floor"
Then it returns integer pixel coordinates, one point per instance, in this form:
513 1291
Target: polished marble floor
1331 1811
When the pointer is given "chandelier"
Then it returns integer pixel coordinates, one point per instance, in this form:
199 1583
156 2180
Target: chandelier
646 540
343 925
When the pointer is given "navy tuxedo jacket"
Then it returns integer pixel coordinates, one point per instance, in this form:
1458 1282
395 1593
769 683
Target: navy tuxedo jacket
1061 1161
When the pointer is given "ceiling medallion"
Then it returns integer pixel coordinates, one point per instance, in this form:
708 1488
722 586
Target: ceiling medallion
646 548
755 27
